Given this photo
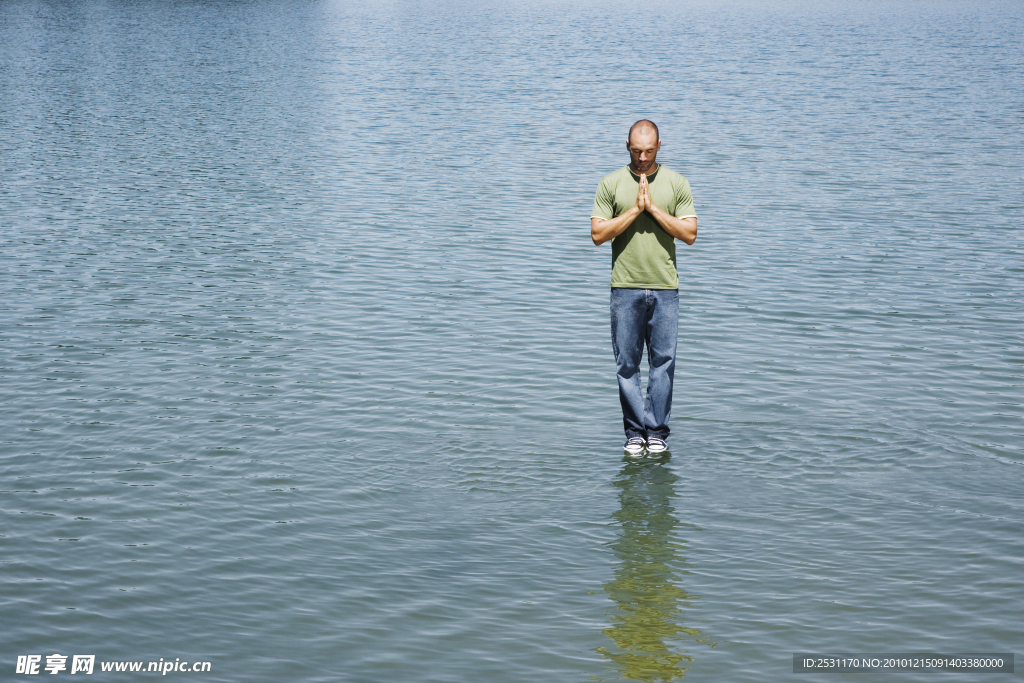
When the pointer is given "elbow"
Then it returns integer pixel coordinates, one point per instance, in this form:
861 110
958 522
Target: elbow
691 237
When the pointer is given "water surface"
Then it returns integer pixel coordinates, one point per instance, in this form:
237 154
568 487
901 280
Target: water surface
305 352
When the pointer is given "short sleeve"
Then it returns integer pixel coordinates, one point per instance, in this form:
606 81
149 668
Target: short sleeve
604 202
684 200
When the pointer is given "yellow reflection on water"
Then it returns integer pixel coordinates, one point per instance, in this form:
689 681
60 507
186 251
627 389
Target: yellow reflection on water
647 622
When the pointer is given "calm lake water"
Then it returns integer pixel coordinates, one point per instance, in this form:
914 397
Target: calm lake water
305 359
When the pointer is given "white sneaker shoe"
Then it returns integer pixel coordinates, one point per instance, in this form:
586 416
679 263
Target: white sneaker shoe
634 445
656 445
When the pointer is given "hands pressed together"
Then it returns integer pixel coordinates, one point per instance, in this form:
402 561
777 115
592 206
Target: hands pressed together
643 195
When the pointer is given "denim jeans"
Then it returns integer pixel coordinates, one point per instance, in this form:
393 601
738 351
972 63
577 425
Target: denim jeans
645 317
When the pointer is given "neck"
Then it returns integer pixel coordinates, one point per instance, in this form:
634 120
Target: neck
651 171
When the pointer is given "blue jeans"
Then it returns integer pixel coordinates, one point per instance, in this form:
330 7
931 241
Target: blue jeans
645 317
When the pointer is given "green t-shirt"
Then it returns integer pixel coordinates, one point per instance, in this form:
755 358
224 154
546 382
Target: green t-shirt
644 256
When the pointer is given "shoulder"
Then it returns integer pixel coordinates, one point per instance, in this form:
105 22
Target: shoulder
613 178
673 177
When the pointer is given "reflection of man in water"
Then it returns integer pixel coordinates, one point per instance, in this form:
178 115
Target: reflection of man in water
644 208
646 588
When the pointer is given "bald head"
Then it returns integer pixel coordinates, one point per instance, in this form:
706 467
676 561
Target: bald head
643 145
643 126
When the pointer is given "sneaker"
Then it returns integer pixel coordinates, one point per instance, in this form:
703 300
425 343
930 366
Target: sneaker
634 445
656 445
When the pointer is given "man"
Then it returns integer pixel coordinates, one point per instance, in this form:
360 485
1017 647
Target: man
644 208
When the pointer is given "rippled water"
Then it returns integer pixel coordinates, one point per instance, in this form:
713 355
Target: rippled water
305 359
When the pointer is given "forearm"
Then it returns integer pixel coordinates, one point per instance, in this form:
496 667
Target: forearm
684 229
603 230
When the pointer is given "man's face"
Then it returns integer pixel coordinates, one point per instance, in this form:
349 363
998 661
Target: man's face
643 147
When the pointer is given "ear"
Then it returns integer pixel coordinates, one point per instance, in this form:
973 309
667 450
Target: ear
658 148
